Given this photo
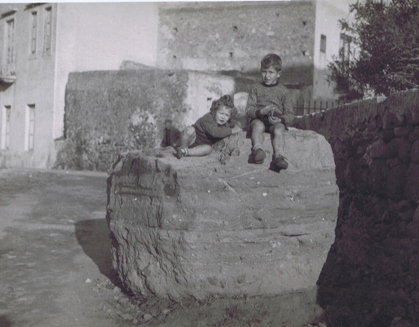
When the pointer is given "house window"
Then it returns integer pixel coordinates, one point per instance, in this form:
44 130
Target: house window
345 49
5 128
30 127
34 31
47 29
323 43
10 44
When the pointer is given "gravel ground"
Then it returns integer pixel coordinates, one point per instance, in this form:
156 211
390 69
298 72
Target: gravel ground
55 264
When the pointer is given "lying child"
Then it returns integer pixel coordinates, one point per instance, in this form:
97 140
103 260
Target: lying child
197 140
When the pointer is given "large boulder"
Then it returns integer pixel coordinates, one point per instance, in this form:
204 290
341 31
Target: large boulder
217 226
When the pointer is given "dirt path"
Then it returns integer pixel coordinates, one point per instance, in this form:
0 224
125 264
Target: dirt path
54 254
55 264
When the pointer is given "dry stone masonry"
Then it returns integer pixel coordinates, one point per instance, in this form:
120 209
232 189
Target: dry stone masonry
371 275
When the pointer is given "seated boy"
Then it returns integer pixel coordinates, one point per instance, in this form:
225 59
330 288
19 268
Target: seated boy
270 109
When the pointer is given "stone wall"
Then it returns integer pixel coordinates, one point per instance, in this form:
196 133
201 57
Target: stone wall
235 36
112 111
371 274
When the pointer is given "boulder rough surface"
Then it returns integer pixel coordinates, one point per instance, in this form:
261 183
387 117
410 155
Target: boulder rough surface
217 226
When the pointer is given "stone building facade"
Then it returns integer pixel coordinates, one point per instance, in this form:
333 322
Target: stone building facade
43 43
232 37
40 45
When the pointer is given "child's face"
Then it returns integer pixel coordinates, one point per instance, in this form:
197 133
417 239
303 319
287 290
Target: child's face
222 115
270 75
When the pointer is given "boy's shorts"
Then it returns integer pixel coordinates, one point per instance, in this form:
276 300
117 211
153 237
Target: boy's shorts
268 125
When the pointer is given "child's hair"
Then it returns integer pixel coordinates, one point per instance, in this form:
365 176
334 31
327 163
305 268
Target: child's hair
273 60
225 101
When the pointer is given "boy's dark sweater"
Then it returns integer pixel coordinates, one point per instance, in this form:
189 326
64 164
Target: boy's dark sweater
278 95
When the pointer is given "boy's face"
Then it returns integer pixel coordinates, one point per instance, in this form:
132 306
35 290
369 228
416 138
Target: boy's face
222 115
270 75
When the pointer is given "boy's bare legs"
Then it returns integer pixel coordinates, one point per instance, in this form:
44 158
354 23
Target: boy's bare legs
258 128
257 133
278 138
200 150
278 145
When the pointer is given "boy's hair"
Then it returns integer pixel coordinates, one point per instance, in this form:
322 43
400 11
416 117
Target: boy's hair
225 101
273 60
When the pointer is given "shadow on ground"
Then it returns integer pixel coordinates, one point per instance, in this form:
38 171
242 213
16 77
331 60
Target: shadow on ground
93 237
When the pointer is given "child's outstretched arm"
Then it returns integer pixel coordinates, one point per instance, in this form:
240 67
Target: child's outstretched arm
216 130
236 129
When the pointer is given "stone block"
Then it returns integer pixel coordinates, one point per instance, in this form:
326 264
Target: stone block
414 154
392 117
306 150
396 181
412 112
414 135
377 179
413 228
355 175
382 150
198 228
340 173
412 182
402 147
402 132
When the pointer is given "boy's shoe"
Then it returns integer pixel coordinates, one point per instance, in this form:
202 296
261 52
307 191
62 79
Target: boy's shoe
180 152
279 163
259 156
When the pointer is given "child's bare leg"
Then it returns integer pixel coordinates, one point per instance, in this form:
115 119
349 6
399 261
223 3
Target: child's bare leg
278 138
200 150
278 144
187 137
258 128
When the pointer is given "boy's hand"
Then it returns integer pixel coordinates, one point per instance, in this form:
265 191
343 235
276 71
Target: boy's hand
268 109
236 129
274 120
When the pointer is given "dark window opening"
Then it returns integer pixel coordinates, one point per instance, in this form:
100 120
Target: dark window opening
323 43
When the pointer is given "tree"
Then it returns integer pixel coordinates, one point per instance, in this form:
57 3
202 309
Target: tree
383 56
